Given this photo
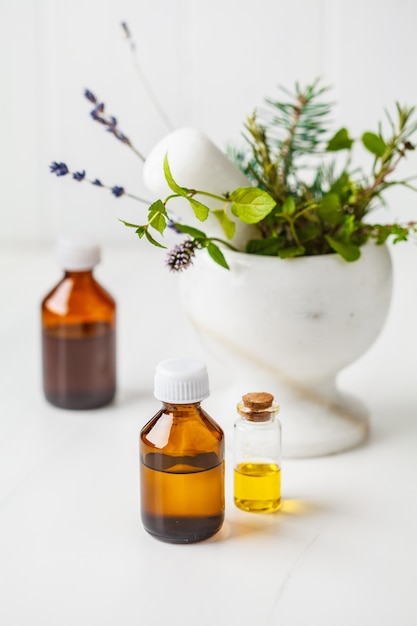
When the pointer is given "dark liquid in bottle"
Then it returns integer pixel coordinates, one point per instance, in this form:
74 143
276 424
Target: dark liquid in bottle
79 369
182 497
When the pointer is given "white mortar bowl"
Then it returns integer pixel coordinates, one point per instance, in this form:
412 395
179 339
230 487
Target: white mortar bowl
289 327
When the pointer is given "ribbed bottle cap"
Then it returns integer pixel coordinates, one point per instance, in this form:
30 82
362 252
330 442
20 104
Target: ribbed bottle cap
181 381
77 254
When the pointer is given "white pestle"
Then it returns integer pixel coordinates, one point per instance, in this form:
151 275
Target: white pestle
196 163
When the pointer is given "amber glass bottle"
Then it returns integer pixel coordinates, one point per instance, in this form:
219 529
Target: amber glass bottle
182 458
78 333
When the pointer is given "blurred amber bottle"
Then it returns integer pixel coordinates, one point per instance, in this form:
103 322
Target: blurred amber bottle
78 333
182 458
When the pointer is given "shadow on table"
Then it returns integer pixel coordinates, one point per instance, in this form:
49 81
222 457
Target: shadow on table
251 523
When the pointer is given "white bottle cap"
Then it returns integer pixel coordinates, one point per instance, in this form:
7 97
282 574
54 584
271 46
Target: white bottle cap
181 381
77 254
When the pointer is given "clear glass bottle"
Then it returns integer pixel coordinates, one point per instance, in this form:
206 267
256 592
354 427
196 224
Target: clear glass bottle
78 333
257 454
182 458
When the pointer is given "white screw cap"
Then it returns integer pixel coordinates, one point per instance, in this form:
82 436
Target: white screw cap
181 381
77 254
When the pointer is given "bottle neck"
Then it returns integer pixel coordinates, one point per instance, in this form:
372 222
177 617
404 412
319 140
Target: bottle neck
171 406
265 414
79 275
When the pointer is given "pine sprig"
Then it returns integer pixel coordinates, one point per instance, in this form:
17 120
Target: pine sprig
324 211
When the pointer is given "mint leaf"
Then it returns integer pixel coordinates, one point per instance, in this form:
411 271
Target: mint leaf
266 247
328 209
152 240
181 191
290 252
308 231
157 207
250 204
217 255
201 211
158 216
374 144
340 141
229 227
189 230
140 231
348 251
342 187
159 223
128 224
289 206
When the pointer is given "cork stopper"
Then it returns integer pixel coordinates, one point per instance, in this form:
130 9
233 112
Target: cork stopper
258 401
258 407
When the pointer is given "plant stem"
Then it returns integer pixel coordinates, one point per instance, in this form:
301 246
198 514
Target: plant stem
143 78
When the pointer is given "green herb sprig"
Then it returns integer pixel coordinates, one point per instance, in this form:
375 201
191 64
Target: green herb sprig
302 202
248 204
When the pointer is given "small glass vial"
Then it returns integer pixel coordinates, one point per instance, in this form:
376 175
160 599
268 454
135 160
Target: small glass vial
257 454
182 458
78 333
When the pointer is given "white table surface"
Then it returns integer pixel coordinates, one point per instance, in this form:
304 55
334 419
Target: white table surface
342 552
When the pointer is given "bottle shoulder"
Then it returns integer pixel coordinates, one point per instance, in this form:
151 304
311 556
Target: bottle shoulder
184 428
78 298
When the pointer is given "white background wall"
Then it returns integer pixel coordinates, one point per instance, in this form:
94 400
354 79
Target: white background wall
209 63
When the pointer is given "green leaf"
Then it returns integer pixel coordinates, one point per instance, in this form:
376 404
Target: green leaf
181 191
128 224
217 255
159 223
340 141
157 207
189 230
308 231
374 144
152 240
347 250
251 205
201 211
292 251
342 187
266 247
383 231
328 209
140 231
228 225
157 216
289 206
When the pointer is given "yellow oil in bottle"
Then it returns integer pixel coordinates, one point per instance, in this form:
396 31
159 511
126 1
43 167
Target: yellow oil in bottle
257 487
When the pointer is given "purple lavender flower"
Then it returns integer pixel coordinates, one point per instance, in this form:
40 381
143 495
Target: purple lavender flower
110 121
60 169
117 191
90 96
172 225
95 114
97 182
79 175
181 257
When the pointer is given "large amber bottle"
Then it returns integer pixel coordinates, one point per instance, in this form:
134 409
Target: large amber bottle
182 458
78 333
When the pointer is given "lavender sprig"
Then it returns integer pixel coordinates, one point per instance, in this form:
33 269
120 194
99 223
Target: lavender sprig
109 121
61 169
